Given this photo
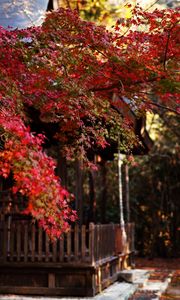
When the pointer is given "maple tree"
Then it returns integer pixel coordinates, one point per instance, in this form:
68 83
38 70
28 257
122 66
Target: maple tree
77 76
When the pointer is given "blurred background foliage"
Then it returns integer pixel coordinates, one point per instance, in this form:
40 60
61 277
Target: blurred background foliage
155 190
106 12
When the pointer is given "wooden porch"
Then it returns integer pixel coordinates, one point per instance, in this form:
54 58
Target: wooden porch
82 263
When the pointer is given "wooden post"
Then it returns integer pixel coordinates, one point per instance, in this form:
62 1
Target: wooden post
61 248
91 243
99 280
47 248
76 242
25 242
69 245
83 242
98 242
18 242
33 243
12 242
54 251
40 243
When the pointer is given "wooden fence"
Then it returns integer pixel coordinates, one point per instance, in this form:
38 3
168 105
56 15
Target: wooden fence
24 241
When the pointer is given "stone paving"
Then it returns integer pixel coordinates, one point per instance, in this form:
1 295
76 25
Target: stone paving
155 287
173 289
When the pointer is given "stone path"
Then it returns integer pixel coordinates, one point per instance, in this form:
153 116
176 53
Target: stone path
173 289
161 284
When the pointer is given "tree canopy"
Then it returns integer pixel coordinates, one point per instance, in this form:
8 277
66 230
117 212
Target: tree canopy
74 80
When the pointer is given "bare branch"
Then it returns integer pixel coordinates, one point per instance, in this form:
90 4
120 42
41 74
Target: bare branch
152 5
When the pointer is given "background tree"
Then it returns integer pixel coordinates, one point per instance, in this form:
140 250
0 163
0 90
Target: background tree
155 208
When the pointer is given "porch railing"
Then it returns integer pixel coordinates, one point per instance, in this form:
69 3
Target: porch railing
24 241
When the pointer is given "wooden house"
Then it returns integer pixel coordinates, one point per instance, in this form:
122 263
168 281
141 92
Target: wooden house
81 263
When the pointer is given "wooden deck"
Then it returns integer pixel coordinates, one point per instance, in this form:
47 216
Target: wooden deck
82 263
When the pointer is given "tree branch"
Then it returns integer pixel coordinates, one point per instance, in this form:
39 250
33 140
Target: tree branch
161 106
119 84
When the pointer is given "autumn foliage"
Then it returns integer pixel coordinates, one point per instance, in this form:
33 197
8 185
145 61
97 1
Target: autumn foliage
68 70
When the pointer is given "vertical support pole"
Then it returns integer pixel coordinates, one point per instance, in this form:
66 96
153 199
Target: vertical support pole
127 193
121 212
